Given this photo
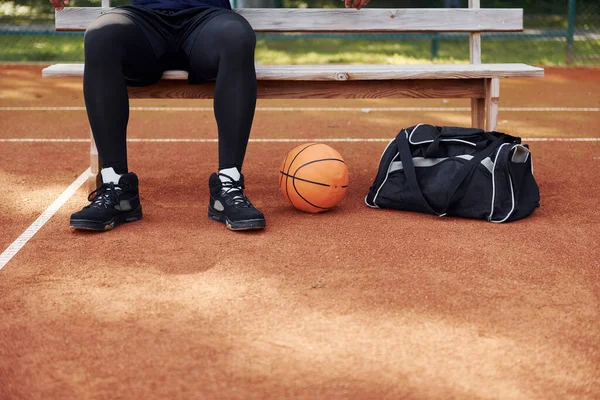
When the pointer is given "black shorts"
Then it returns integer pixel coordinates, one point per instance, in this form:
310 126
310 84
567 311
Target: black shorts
171 34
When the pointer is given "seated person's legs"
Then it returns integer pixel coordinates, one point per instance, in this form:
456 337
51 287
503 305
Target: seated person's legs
116 53
115 48
223 49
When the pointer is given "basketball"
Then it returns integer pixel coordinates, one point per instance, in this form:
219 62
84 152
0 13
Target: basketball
313 177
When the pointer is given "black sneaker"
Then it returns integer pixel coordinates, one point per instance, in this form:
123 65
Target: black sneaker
229 205
112 204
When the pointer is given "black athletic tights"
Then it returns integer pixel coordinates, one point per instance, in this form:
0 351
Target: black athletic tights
115 48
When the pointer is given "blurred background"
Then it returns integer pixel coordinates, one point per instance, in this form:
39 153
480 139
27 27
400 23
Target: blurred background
557 32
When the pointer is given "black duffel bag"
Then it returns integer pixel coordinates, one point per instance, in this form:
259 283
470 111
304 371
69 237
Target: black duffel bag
455 171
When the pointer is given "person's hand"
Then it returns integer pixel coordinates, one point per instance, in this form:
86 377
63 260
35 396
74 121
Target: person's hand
358 4
59 4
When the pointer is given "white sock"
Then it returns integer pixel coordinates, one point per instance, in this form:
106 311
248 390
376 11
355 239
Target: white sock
231 172
109 175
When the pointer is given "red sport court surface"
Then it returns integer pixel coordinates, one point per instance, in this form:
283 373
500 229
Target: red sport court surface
353 303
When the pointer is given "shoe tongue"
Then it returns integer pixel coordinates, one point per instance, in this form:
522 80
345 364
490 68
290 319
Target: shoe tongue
224 178
110 176
231 190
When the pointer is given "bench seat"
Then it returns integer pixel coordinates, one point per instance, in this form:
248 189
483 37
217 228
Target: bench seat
357 72
471 81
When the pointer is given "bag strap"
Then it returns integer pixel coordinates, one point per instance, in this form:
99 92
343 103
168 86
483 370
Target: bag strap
483 139
409 172
458 189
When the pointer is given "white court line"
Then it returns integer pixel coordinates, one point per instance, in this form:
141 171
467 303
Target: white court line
581 139
45 140
339 109
18 244
14 248
274 140
288 140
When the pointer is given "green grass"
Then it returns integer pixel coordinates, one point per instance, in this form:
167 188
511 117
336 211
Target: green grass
304 51
323 51
41 48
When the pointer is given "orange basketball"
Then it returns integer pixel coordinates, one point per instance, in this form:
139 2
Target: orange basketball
313 177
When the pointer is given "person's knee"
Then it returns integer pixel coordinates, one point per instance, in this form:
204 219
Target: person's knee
105 36
237 37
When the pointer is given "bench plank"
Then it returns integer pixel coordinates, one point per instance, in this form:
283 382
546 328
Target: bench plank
358 72
345 20
417 88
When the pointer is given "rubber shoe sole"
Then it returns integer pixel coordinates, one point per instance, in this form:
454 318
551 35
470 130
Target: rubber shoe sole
90 225
243 225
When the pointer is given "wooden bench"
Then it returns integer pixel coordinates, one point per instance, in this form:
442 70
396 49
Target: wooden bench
476 81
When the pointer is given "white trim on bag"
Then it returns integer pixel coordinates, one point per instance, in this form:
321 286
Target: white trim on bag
384 150
367 204
422 162
385 180
380 158
494 187
441 140
527 152
512 195
446 140
487 163
512 190
391 163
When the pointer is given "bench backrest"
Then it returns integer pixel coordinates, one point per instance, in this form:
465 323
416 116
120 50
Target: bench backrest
473 19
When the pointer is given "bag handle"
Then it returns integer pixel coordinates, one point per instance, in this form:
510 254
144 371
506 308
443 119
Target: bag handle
457 190
483 139
409 171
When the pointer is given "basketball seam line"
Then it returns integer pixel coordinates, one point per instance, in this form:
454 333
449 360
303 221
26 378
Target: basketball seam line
290 167
281 178
319 160
303 180
302 197
304 165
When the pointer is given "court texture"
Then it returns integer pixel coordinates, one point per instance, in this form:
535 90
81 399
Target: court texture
351 303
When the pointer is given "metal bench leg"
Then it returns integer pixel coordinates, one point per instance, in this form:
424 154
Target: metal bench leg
492 97
94 181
